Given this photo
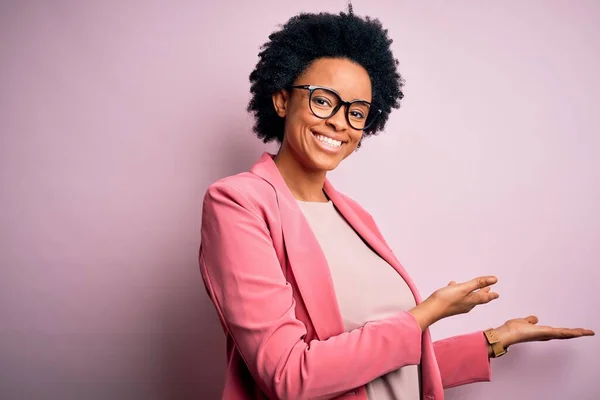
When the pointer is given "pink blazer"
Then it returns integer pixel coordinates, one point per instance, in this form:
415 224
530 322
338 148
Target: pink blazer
270 283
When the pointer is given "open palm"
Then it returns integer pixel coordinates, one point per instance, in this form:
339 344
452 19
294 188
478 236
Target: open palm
521 330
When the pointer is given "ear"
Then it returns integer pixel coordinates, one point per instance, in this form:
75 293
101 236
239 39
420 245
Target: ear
280 102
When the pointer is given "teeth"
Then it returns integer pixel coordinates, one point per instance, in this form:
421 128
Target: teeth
329 141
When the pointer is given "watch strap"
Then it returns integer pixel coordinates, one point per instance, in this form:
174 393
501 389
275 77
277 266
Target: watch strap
492 338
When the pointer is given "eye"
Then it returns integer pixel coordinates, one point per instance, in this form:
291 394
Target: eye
356 114
321 101
359 111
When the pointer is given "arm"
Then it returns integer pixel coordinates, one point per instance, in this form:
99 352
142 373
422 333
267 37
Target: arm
463 359
255 304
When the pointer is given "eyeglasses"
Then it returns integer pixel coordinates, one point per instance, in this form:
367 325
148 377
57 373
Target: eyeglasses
325 102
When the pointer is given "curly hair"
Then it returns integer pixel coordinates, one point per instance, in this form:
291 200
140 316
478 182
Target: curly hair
307 37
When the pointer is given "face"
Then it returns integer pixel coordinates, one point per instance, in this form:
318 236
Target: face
320 144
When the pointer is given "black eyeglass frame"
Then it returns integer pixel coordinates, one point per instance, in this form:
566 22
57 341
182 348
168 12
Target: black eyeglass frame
312 88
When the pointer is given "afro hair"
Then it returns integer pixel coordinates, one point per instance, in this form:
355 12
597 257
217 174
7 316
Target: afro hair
307 37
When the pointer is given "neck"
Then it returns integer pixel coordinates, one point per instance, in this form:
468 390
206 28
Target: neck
305 184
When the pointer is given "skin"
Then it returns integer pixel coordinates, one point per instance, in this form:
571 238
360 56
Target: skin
304 162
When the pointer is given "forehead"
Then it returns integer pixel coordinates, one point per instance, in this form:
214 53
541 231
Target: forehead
348 78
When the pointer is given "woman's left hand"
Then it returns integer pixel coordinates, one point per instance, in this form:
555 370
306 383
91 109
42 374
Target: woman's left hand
520 330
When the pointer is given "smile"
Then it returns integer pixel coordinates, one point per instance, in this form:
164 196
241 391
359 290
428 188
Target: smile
328 141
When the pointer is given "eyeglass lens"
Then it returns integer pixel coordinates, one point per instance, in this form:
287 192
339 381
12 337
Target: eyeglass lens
324 103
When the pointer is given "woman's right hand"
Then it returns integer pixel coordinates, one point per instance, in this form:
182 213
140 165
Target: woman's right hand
456 298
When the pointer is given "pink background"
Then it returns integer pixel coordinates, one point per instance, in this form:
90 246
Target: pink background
116 116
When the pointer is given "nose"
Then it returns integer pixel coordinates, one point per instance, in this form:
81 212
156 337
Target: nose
338 120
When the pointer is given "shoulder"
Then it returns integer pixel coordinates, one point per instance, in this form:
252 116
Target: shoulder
245 189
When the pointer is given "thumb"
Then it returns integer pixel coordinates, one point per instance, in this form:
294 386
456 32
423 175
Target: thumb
532 319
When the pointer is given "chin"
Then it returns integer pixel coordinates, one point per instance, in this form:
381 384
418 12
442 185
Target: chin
323 162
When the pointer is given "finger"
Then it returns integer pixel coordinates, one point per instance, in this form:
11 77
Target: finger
486 297
486 290
452 283
480 282
566 333
532 319
584 332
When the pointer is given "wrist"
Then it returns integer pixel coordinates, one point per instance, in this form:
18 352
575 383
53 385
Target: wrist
426 313
505 336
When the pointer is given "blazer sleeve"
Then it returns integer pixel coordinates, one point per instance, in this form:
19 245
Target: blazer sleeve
255 304
463 359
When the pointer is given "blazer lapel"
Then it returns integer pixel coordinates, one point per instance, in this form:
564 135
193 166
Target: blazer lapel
306 259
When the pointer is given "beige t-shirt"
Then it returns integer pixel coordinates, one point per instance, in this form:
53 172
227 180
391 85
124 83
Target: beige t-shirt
367 289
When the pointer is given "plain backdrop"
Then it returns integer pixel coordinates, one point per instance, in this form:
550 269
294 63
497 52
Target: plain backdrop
116 116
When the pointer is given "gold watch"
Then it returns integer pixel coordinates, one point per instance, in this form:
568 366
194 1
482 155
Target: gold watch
497 348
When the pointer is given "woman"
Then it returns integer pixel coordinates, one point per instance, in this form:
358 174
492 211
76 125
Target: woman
312 300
